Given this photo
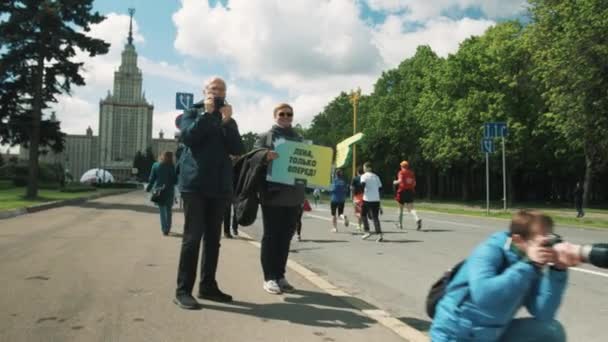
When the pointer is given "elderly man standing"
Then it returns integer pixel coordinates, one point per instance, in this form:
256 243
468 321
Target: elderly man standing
209 136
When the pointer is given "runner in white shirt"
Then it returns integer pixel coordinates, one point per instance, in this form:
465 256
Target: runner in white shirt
371 201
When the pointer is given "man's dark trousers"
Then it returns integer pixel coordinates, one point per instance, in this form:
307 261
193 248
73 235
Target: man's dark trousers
203 220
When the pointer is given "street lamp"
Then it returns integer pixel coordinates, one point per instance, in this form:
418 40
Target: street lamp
354 99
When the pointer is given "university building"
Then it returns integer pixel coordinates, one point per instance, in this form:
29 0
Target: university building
125 127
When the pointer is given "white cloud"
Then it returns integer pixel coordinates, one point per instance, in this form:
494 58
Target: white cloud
76 114
443 35
270 37
311 57
427 9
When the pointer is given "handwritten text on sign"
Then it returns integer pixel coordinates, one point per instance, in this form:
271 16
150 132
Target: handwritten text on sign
303 163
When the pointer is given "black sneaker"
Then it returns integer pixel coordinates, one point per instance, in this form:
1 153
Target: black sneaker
419 224
186 301
235 232
228 235
215 294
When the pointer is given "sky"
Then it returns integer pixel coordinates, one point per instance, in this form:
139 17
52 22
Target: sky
304 52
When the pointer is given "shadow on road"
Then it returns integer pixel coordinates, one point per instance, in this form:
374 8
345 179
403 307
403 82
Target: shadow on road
436 230
121 206
305 308
401 241
419 324
322 241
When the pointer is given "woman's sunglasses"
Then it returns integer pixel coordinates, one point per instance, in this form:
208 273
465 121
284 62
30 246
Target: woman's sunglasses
287 114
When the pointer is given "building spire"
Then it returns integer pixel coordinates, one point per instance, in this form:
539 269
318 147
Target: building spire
131 12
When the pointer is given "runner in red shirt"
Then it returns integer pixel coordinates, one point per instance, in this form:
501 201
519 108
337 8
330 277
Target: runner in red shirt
406 188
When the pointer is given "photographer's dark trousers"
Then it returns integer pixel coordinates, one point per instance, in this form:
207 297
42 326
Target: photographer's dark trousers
279 226
203 220
374 209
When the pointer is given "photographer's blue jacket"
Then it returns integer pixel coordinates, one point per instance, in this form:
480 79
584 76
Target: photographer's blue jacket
485 294
204 163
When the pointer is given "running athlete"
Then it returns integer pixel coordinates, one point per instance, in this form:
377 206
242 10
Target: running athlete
406 188
338 191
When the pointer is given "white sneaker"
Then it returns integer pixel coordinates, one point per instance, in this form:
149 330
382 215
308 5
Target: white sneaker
380 238
365 236
346 222
285 286
272 287
334 230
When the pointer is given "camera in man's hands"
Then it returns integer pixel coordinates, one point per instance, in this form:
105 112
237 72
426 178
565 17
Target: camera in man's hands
552 240
218 102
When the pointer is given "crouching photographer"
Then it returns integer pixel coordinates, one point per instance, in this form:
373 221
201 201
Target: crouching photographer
525 266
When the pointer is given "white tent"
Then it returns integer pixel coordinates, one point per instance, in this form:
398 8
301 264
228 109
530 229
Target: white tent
97 175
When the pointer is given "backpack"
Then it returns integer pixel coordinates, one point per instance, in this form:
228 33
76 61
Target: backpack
438 289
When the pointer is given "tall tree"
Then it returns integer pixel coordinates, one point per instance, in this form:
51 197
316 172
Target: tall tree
569 40
249 139
39 40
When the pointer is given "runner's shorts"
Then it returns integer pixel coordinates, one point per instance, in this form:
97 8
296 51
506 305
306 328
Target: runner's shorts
358 203
405 196
339 206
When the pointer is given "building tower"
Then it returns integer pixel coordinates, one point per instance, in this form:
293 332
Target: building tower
125 116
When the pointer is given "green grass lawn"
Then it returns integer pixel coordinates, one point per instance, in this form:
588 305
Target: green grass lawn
13 198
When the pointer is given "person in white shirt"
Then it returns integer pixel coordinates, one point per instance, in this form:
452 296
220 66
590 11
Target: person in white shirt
371 201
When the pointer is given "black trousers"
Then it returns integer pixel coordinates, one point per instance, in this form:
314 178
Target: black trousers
299 220
374 209
279 226
203 220
230 212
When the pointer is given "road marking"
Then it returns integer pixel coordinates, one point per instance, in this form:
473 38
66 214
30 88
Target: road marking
601 274
384 318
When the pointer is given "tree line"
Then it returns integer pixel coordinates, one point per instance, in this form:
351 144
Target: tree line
547 79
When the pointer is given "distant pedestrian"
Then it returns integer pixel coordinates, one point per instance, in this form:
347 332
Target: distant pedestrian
371 201
162 184
316 195
578 200
338 191
406 188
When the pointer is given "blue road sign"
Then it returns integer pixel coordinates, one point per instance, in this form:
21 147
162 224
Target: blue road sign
183 100
487 145
495 130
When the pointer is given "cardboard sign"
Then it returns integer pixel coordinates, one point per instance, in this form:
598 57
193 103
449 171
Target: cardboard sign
301 163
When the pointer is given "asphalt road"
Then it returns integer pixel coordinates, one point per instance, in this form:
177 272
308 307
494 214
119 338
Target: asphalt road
396 274
102 271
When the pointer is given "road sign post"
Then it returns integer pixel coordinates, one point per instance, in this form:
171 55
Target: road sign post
495 130
487 147
504 176
487 183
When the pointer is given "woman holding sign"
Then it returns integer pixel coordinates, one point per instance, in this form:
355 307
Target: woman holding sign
280 206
